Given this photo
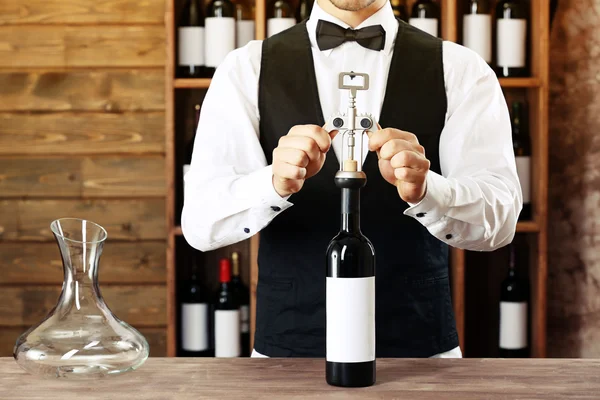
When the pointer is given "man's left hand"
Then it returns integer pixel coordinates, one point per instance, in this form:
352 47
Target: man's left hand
402 162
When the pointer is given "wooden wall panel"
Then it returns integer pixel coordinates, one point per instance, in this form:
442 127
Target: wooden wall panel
121 263
82 176
82 46
113 90
81 11
136 305
82 133
29 220
156 338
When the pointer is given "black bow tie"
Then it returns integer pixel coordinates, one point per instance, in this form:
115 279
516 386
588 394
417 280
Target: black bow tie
330 35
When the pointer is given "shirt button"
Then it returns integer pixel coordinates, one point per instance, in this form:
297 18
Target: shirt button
246 230
275 208
421 215
448 236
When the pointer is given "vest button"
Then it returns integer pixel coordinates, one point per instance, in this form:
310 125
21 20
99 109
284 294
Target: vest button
421 215
448 236
275 208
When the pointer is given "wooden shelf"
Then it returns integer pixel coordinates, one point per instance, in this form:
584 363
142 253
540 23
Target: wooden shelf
520 82
201 83
527 226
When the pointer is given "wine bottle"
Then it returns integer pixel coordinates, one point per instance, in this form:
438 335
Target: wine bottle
244 24
350 296
514 307
189 148
399 9
195 314
511 38
190 43
425 16
477 29
220 33
242 295
522 148
227 316
281 17
303 10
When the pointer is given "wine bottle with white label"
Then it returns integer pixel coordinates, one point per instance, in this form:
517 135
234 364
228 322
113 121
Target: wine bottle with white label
511 38
477 29
189 147
227 315
244 24
242 295
190 40
522 148
195 332
220 33
514 311
350 296
281 17
303 10
399 9
425 15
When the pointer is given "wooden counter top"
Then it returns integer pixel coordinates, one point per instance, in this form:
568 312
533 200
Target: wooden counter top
435 379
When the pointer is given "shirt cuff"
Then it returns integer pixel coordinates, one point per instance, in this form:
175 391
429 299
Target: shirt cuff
268 202
436 203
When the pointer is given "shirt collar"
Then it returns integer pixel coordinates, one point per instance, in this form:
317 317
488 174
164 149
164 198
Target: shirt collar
384 17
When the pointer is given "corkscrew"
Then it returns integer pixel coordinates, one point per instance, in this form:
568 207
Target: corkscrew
352 125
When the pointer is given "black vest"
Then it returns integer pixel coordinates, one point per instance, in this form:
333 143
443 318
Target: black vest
414 316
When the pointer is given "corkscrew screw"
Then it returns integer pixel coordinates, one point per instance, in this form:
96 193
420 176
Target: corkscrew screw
352 125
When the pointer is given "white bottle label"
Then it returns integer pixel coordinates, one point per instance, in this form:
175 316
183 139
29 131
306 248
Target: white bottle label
191 45
350 308
194 327
513 325
244 32
511 42
524 172
220 39
276 25
227 333
477 34
429 25
244 319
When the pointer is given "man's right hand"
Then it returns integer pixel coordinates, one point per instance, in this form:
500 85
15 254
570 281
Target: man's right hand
299 156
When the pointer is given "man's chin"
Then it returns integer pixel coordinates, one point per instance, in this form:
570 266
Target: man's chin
352 5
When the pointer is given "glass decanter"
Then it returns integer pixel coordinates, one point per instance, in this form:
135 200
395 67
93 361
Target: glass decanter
80 337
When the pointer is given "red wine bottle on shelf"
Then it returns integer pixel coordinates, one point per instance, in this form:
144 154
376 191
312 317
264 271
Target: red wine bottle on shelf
220 33
195 314
399 9
190 40
350 297
514 310
511 38
242 295
477 29
522 148
227 315
244 24
303 10
189 147
426 16
281 17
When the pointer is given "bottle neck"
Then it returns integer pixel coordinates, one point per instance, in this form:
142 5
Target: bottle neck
512 270
351 211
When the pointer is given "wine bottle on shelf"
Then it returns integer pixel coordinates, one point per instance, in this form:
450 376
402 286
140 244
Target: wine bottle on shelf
426 16
242 295
190 43
281 17
477 29
304 9
350 296
522 148
220 33
514 310
399 9
511 38
244 24
189 147
227 316
195 314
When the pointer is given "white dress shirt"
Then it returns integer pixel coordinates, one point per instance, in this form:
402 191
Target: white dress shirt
473 204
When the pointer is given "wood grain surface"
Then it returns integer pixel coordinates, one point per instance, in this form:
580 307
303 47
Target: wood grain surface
82 177
137 305
82 46
29 220
121 263
14 12
111 90
430 379
156 338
